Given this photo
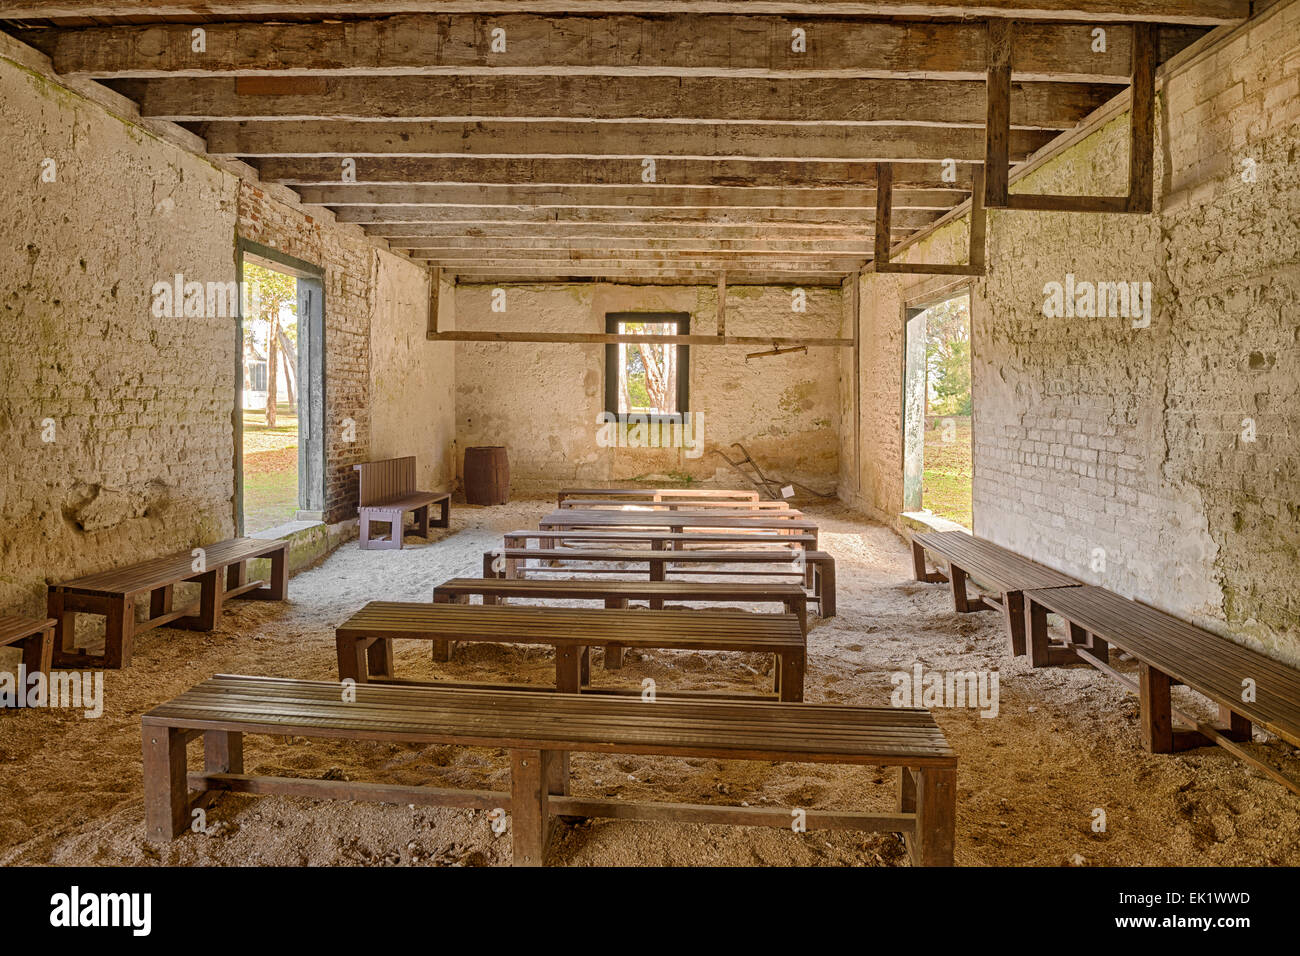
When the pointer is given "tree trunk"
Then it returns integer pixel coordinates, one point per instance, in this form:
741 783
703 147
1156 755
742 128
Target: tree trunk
272 360
290 355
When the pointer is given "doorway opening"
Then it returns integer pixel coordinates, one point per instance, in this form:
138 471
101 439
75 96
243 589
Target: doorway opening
279 415
938 411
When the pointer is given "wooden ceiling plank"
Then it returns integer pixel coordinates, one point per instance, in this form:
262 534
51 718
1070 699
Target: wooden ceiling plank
683 100
630 196
624 140
1193 12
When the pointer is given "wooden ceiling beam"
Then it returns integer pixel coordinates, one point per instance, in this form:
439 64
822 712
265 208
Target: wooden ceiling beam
630 196
598 263
685 45
662 277
1193 12
550 171
617 232
638 141
815 260
584 99
458 243
699 218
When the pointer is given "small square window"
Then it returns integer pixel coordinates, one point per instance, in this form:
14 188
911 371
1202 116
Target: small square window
648 379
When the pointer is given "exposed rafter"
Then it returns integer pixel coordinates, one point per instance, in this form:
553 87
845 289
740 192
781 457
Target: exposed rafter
1207 12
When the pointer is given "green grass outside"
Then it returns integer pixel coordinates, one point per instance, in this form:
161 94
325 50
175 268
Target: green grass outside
270 469
946 481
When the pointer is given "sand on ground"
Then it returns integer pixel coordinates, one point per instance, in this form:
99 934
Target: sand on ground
1033 782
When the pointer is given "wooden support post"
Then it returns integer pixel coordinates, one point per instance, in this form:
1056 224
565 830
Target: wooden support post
884 211
435 281
1142 120
997 125
722 305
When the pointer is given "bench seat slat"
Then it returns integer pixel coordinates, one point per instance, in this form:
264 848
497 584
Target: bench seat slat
172 568
1207 662
992 564
556 721
14 627
578 588
695 629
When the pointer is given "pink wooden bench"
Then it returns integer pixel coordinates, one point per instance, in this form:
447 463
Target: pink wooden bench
387 493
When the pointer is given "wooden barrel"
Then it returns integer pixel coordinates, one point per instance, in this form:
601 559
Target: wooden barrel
487 475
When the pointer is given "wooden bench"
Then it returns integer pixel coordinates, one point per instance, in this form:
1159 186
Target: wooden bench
34 636
675 522
1171 651
662 540
365 640
739 507
387 492
657 494
1004 573
815 568
540 731
221 571
617 594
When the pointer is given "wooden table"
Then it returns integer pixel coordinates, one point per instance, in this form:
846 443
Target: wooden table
112 594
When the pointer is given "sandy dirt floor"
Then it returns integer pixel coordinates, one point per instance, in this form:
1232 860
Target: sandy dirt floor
1064 744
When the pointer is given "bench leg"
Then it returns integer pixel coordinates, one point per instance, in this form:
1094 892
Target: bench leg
1039 651
1157 719
826 588
792 670
960 599
223 751
166 789
658 572
798 606
584 667
444 516
614 652
936 816
1233 726
529 805
352 658
379 657
119 632
1013 610
918 562
422 521
568 669
210 600
65 624
161 601
280 574
38 653
442 651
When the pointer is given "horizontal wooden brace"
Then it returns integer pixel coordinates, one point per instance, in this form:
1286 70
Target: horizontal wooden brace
601 338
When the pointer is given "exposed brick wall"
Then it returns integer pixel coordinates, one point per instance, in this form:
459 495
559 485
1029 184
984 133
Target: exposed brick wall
141 407
1092 434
